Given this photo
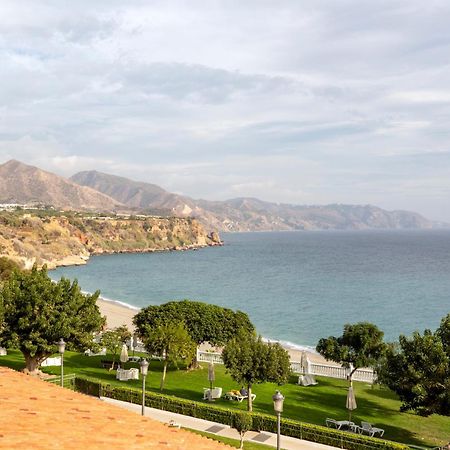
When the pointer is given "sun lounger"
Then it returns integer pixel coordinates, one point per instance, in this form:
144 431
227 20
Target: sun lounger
338 424
237 396
213 394
307 380
367 428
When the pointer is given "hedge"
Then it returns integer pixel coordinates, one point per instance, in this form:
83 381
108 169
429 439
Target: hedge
87 386
261 422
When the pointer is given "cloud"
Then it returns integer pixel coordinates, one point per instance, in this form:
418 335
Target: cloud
294 101
422 96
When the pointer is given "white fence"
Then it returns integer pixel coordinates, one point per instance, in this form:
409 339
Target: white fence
323 370
49 362
213 357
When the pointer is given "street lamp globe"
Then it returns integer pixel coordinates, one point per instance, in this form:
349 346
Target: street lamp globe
144 367
61 346
278 400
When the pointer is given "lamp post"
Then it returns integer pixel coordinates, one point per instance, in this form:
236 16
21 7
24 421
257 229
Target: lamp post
61 348
144 371
278 400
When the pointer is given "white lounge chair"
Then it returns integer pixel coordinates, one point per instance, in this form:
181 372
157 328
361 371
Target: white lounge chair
367 428
213 394
338 423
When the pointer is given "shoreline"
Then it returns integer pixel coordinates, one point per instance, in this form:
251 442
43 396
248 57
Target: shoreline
120 313
83 259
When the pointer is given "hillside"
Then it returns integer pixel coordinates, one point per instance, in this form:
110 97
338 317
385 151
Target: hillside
21 183
248 214
143 196
251 214
56 240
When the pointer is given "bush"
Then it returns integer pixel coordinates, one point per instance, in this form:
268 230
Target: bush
87 387
259 422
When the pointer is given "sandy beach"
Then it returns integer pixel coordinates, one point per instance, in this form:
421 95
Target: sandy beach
117 314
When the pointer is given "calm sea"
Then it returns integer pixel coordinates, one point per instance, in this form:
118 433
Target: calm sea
295 286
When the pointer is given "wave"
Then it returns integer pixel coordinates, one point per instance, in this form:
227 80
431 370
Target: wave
292 345
118 302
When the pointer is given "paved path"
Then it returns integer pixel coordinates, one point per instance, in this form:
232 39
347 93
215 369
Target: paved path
220 429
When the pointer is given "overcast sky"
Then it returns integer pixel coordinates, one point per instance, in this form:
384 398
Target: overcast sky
289 101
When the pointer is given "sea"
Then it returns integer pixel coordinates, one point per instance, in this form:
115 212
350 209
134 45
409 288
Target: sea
296 287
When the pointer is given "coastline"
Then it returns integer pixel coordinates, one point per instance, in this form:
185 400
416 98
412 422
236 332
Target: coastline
119 313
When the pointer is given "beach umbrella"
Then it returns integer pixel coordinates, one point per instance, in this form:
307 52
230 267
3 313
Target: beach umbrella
124 354
304 363
211 375
351 402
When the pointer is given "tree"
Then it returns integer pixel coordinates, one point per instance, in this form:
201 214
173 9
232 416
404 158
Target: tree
39 312
249 360
242 422
114 339
361 345
417 368
172 342
7 266
204 322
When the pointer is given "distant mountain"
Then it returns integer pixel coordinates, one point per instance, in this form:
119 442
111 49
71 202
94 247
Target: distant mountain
249 214
257 214
143 196
20 183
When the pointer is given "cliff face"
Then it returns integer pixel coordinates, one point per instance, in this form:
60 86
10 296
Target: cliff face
71 239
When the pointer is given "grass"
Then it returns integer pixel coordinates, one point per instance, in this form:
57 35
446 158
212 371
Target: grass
248 445
311 404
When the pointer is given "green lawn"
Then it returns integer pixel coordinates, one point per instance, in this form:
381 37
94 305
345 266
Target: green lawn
248 445
309 404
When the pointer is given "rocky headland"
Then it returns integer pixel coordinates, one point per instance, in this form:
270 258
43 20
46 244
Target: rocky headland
61 239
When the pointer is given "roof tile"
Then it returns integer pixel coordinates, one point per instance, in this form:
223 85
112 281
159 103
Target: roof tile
39 415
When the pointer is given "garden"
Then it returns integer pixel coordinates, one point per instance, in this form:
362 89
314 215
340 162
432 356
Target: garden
312 404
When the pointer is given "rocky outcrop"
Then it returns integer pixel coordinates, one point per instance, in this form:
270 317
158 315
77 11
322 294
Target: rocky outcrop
70 239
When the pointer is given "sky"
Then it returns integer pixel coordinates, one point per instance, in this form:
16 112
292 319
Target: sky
292 101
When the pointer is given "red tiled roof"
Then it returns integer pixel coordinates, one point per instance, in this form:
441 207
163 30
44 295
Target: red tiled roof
36 415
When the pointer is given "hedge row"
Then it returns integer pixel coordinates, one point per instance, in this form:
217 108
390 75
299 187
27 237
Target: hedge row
260 422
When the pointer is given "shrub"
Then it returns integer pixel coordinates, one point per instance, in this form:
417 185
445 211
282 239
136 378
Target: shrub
87 387
259 422
242 422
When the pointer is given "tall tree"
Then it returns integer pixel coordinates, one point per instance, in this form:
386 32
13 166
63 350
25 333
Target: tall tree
172 342
249 360
38 312
204 322
417 368
361 345
114 339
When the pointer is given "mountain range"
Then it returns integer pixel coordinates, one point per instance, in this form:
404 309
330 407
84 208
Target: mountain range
21 183
92 190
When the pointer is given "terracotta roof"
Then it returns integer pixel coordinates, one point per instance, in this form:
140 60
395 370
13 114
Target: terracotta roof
40 415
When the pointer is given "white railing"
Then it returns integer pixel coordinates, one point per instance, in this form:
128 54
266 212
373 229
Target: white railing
327 370
319 369
208 357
